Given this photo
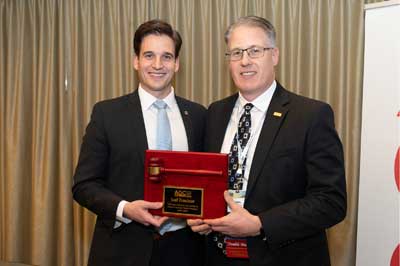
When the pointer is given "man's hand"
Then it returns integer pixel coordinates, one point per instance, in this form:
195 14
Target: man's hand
138 210
238 223
198 226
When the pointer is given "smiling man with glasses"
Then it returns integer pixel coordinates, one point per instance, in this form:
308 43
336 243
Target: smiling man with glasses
286 167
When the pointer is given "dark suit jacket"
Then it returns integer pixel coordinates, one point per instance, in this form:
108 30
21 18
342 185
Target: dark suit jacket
110 169
297 179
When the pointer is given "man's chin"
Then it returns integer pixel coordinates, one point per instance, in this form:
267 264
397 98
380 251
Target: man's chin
246 88
158 88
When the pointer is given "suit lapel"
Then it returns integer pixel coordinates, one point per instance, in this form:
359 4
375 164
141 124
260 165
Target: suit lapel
139 129
222 123
187 122
275 116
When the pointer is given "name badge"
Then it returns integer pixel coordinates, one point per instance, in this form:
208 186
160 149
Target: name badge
236 248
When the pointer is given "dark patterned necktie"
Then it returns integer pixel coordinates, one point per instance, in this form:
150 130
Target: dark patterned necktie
241 137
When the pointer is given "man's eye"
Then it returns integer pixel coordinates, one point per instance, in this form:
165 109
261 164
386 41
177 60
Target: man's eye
236 53
168 57
148 56
255 50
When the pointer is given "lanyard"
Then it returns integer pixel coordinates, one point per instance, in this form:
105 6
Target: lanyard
242 152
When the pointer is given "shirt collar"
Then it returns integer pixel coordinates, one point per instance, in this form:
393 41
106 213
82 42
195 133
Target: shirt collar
147 100
262 101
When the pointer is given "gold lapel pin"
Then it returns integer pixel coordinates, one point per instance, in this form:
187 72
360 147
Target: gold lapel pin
277 114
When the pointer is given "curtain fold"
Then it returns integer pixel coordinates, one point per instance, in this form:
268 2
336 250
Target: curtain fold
59 57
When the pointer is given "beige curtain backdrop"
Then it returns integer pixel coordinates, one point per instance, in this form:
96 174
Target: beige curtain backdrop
59 57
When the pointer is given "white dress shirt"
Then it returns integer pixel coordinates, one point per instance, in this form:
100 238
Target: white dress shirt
178 133
258 112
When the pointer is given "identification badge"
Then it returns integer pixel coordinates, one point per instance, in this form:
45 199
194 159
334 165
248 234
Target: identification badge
238 197
236 248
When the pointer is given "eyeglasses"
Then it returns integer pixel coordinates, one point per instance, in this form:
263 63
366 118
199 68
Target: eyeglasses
252 52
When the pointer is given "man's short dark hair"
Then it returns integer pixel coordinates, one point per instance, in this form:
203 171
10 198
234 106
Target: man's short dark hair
156 27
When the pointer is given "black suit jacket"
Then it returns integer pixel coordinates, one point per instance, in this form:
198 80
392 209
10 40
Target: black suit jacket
297 179
110 169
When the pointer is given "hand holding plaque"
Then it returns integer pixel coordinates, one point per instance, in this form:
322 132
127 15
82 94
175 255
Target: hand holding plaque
190 184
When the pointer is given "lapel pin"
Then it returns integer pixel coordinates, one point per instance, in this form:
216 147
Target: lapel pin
277 114
186 112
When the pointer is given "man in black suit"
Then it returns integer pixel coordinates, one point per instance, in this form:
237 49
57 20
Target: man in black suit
109 176
287 179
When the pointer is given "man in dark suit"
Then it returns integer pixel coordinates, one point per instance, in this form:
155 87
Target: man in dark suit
109 176
286 170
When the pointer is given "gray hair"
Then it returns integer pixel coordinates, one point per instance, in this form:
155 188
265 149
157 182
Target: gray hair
253 21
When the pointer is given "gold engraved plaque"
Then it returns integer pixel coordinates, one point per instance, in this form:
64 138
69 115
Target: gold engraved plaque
183 201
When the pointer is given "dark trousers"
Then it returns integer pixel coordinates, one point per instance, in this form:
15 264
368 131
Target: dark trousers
178 248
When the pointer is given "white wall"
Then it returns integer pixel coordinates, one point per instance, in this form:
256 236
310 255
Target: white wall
379 197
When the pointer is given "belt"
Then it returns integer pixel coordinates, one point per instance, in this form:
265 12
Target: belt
157 236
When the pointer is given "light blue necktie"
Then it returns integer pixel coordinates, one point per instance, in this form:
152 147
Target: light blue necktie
163 134
164 142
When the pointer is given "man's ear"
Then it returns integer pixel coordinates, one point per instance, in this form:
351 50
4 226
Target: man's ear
275 56
136 62
177 64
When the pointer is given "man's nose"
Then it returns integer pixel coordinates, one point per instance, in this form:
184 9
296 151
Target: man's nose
245 59
157 63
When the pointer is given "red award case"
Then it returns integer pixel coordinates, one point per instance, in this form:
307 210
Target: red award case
191 184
